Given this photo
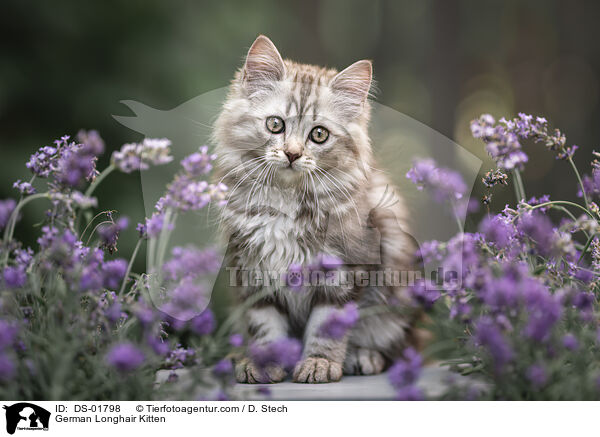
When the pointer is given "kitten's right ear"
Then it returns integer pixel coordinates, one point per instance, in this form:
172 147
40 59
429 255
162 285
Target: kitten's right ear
263 65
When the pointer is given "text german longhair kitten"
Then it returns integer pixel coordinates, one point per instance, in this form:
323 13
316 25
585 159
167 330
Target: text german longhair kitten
294 150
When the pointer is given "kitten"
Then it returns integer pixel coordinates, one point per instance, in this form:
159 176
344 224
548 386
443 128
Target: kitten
293 147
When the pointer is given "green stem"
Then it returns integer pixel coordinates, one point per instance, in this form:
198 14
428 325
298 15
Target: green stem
519 187
458 222
130 265
12 220
586 247
108 170
585 199
163 239
88 193
563 202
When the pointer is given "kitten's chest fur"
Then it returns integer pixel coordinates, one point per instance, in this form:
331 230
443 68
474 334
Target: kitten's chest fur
276 231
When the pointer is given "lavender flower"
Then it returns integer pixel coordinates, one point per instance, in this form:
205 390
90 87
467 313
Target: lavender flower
140 156
203 324
198 163
570 342
8 334
191 262
488 334
186 300
113 273
8 367
6 208
445 184
125 357
537 375
340 321
236 340
404 374
223 368
284 352
24 187
424 293
497 230
14 277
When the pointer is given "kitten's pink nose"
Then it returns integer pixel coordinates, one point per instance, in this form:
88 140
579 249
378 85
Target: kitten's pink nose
292 156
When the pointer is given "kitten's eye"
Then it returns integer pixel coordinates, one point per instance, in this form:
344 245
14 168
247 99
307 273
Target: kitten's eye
275 124
319 134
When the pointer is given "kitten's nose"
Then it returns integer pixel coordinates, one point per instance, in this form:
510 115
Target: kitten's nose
292 156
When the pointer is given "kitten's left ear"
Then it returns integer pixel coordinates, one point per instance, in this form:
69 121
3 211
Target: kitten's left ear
354 82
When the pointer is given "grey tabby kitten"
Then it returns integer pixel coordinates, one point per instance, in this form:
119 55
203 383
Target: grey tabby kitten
293 147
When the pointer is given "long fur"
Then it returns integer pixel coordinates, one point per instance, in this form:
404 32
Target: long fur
331 200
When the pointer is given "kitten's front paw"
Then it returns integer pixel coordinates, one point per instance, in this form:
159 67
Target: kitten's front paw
248 372
317 370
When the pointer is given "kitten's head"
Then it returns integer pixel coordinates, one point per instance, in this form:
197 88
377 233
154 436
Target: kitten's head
295 119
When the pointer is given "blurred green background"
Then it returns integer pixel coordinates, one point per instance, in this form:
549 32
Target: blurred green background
66 65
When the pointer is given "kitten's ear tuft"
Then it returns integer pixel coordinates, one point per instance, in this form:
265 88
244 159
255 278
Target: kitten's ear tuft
354 82
263 63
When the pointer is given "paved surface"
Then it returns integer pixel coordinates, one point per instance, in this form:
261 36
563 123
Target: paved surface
433 381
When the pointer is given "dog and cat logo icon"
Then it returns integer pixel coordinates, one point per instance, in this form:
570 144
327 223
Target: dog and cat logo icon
26 416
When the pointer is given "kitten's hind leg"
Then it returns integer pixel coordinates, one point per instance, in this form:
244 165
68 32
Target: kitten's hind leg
363 361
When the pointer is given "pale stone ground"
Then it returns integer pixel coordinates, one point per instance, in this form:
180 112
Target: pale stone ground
433 381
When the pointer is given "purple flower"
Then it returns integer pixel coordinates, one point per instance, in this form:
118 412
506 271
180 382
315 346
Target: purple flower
154 225
406 370
8 334
24 187
140 156
409 393
424 293
340 321
180 356
539 229
497 230
284 352
113 273
543 309
191 262
537 375
236 340
570 342
198 163
125 357
14 277
158 345
92 141
223 368
7 367
488 334
186 301
203 324
444 184
6 208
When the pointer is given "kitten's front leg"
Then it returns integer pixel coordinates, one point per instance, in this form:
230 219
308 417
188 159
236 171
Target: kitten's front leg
265 323
323 357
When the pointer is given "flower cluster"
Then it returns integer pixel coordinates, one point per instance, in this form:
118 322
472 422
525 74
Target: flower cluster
444 184
93 306
503 140
141 156
520 294
404 374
